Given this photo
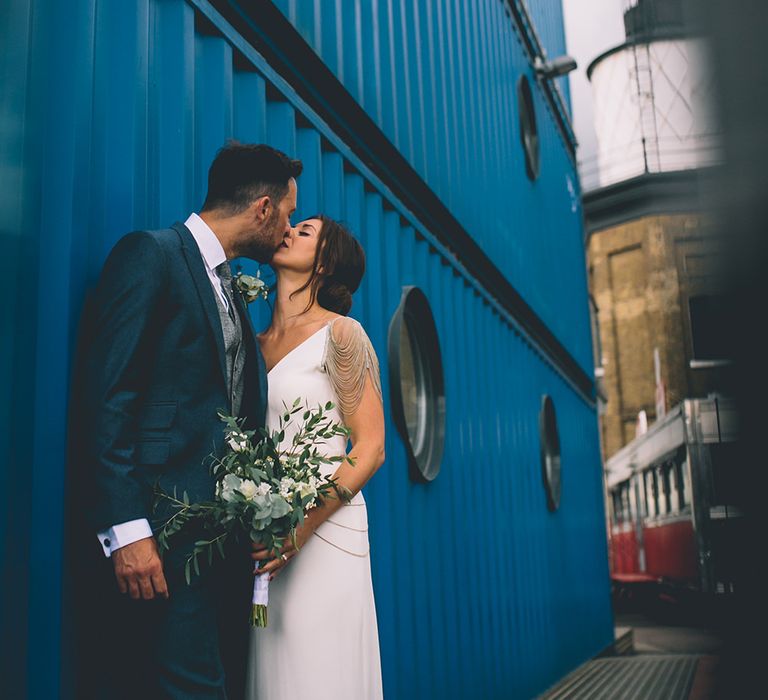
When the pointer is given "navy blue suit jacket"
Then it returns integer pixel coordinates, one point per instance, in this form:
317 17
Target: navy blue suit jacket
154 378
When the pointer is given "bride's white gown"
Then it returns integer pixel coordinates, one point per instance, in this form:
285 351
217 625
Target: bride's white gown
321 640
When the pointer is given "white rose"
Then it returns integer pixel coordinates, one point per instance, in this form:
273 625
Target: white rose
238 442
287 486
307 490
252 287
248 488
263 488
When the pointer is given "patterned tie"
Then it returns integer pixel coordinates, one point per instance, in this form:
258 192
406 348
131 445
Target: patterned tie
224 272
232 332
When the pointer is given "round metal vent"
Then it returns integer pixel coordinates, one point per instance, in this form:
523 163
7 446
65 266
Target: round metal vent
529 132
416 384
550 452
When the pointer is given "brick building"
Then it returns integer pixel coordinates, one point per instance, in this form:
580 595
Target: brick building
655 292
652 255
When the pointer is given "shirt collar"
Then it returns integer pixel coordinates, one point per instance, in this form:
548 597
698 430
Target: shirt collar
210 246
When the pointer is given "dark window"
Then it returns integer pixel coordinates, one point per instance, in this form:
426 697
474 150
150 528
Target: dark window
666 503
616 498
625 505
680 481
670 487
622 509
653 491
647 495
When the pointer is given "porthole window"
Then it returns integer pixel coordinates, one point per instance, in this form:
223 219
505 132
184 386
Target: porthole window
416 384
550 452
529 132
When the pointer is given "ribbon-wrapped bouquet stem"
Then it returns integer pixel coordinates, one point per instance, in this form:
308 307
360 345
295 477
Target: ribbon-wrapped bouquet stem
263 491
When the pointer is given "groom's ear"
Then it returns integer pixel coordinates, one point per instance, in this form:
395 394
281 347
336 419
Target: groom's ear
261 208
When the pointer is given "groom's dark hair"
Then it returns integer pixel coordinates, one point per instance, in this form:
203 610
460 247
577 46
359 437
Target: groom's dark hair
243 172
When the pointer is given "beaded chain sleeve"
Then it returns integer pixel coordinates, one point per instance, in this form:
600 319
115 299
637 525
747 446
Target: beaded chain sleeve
349 358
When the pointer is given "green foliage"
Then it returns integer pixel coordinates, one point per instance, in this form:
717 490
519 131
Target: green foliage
263 490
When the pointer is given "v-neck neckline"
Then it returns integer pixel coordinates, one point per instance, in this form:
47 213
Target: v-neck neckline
295 348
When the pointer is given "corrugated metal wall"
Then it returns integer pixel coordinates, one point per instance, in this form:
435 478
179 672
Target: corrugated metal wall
110 115
547 16
439 78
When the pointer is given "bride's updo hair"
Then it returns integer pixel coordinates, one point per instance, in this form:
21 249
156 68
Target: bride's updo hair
339 267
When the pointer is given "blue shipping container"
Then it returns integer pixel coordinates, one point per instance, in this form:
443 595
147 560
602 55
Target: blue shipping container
406 116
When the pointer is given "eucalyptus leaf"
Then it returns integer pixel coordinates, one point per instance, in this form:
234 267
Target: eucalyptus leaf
280 506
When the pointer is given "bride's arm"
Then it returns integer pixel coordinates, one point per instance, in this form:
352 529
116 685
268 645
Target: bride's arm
358 388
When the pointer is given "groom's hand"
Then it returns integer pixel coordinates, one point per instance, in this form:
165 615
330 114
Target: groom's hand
139 570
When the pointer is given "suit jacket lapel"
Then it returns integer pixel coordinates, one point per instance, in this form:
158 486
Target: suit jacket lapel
205 292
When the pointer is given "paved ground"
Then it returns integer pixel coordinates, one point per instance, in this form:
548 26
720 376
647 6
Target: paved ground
654 636
685 651
724 648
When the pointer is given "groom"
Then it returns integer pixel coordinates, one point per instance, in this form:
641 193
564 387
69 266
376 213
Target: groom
171 343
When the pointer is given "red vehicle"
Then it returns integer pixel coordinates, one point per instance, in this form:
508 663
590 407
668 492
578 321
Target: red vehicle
670 506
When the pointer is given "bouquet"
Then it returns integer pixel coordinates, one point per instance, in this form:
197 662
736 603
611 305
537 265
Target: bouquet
262 491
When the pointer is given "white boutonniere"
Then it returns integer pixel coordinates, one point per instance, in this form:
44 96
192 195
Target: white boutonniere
252 287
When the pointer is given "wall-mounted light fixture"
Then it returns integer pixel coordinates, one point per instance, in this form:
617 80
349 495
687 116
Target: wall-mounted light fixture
557 67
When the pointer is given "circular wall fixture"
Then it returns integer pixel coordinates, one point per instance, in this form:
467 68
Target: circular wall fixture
529 132
416 384
550 452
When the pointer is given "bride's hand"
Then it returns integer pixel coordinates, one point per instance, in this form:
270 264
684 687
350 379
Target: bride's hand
274 561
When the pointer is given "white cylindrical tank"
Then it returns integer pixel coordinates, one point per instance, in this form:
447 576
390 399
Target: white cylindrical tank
651 106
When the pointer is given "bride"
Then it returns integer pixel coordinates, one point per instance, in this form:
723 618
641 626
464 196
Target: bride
322 639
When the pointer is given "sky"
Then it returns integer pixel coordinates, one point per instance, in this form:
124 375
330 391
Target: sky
591 27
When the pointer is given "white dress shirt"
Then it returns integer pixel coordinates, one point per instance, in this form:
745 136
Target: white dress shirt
213 255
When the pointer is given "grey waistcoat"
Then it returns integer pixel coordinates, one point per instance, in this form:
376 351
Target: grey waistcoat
234 350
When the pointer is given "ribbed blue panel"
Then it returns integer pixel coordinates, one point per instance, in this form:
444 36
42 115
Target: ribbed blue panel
308 149
281 125
213 105
110 114
250 107
547 16
171 110
439 78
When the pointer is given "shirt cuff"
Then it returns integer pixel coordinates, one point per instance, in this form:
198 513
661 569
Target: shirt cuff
124 534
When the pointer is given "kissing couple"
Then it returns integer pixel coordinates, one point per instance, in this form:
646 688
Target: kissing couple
170 344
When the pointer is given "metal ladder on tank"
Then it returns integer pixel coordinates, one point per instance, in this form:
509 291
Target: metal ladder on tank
641 74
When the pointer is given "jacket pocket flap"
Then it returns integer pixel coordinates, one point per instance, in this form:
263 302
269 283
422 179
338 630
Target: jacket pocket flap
158 415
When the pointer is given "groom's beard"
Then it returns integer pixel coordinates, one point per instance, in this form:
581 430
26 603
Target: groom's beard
261 245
